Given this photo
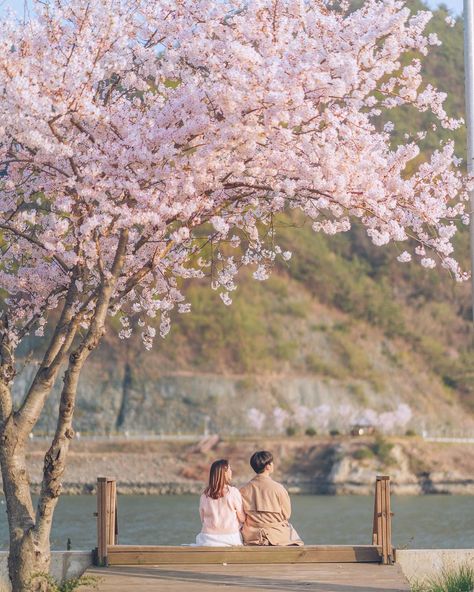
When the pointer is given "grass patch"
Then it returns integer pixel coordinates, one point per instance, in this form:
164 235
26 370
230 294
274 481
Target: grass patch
363 453
380 449
451 580
383 451
317 365
43 581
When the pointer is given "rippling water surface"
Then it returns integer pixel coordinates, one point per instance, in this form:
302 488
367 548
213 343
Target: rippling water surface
419 522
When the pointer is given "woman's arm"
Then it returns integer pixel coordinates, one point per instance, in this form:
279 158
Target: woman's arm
239 507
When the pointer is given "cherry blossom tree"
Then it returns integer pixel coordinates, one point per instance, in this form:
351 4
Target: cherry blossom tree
280 418
144 144
256 419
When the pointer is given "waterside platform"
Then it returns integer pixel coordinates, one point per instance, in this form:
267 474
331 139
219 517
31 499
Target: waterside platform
310 577
316 568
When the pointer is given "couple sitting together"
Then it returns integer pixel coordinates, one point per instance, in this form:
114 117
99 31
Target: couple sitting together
258 514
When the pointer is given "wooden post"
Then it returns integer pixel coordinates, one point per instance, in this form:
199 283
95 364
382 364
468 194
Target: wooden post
382 523
107 531
112 523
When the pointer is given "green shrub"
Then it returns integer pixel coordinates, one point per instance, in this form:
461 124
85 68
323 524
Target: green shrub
410 433
334 433
293 309
285 350
291 431
47 583
355 360
452 580
363 453
383 451
318 366
311 432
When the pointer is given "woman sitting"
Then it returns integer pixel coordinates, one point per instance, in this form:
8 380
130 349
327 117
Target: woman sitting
220 509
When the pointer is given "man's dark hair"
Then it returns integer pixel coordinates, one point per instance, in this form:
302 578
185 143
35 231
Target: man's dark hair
259 460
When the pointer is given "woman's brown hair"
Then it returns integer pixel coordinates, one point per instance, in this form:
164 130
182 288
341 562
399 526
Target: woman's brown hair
217 480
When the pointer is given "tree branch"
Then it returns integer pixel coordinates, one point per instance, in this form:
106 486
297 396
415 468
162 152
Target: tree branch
55 458
36 242
59 345
7 371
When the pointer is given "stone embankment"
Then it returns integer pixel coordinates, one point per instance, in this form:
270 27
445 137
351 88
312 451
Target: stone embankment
350 475
322 465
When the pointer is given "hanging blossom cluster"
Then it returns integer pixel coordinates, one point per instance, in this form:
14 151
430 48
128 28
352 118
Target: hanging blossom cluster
324 416
186 126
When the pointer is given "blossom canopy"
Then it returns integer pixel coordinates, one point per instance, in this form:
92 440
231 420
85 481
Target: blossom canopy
182 127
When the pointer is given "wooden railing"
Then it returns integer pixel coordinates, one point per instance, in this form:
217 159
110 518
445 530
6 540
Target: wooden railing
108 550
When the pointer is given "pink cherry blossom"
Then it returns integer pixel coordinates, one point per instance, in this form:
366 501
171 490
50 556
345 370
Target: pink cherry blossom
186 126
280 419
256 419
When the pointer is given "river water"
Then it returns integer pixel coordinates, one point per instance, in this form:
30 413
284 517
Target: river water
419 522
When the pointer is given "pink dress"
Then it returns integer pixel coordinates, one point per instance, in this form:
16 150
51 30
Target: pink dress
221 519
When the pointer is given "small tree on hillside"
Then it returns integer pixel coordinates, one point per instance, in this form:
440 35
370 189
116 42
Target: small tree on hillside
144 143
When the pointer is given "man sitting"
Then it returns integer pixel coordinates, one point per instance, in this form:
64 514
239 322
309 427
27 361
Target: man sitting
267 507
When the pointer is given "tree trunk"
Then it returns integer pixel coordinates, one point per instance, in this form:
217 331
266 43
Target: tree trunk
27 563
29 555
29 534
26 556
55 458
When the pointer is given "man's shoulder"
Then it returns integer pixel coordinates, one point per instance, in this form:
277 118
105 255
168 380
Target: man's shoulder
246 486
266 483
278 486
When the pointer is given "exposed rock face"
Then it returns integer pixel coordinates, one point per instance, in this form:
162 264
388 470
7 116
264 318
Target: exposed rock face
451 482
114 399
350 475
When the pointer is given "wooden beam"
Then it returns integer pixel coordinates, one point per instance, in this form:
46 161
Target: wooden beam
106 517
161 555
101 521
388 524
111 512
382 523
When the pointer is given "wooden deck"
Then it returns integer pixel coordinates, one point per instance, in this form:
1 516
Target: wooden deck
315 568
310 577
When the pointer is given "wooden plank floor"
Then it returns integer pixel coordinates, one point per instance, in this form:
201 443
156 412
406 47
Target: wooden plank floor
318 577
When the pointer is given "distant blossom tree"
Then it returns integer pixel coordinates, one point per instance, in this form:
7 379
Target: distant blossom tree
280 419
346 415
321 416
143 144
368 417
256 419
391 420
387 421
302 416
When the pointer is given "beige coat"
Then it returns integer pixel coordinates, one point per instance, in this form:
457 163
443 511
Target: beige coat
267 509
